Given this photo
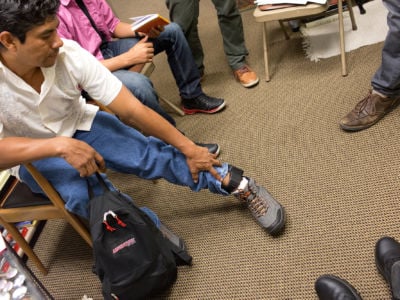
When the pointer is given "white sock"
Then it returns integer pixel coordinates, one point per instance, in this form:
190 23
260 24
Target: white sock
242 185
379 94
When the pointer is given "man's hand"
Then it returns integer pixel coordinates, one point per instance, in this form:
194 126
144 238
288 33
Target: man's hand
199 159
155 32
142 52
80 155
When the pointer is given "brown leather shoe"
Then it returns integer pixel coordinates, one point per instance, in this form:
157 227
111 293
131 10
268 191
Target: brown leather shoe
246 76
368 112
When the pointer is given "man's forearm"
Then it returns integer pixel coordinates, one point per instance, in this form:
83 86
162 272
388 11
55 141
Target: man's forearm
123 30
135 114
151 123
116 63
18 150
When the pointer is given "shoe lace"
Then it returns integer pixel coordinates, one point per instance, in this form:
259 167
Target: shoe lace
243 70
256 204
203 97
363 104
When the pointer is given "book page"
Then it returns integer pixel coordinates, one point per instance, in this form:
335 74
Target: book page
297 2
137 21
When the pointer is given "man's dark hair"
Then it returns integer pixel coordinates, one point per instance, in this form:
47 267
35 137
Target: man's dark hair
20 16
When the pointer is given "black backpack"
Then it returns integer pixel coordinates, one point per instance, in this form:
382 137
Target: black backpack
131 256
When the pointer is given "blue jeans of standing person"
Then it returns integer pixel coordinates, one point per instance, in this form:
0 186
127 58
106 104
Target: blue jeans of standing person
387 78
124 150
180 60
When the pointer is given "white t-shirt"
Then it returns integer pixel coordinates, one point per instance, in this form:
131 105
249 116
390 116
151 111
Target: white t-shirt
59 109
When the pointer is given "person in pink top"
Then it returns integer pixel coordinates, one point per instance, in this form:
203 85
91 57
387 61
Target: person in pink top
96 31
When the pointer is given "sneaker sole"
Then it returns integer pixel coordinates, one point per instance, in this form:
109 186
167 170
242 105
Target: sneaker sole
250 84
362 127
218 150
279 224
188 111
349 287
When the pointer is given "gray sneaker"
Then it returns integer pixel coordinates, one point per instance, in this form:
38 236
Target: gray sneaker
264 208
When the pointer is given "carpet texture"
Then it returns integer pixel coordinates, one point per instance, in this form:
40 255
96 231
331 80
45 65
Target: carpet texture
321 38
340 190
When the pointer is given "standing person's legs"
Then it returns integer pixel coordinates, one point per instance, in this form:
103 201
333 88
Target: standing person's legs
186 13
231 26
387 78
385 95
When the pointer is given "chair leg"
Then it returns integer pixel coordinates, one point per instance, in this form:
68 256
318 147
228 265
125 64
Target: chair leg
20 240
341 33
172 105
79 227
55 198
284 30
265 46
351 13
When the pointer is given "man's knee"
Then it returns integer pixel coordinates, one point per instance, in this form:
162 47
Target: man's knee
174 31
140 86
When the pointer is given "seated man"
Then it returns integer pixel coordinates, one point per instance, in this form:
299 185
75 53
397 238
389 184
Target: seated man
44 120
133 48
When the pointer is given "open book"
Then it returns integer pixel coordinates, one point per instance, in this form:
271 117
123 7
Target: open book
147 22
297 2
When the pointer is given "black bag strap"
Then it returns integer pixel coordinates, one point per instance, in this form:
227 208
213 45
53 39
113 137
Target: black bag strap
83 7
102 183
182 257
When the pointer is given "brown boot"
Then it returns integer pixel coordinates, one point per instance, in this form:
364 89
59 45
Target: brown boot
368 112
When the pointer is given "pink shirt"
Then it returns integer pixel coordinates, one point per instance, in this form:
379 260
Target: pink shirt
74 24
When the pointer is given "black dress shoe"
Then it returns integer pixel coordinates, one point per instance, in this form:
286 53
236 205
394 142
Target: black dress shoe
330 287
387 259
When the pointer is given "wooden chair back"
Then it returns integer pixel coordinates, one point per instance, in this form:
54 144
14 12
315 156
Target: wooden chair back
36 208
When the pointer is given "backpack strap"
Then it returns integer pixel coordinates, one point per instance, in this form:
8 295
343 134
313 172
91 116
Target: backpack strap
102 183
182 257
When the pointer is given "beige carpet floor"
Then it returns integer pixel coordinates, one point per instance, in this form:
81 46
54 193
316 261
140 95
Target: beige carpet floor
340 190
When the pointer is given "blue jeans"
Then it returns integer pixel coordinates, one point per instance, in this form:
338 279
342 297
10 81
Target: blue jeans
124 150
387 78
180 60
153 216
137 83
